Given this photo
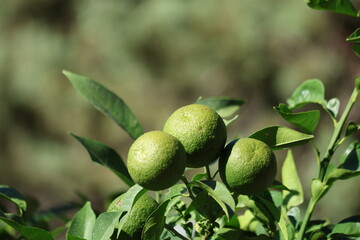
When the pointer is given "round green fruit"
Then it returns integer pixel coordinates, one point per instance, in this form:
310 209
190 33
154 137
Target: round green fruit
201 131
247 166
136 219
156 160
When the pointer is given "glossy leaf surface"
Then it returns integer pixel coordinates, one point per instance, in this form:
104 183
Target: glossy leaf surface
310 91
304 121
278 137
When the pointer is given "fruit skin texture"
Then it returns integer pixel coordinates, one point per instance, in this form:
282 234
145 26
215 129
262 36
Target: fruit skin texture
247 166
156 160
201 131
135 222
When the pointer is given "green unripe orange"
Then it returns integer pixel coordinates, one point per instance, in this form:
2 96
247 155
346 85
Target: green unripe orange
201 131
156 160
247 166
136 219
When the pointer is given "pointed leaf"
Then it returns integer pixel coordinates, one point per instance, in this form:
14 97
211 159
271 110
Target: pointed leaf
224 106
220 194
82 224
292 181
30 233
305 121
339 6
311 91
348 227
355 36
13 196
155 223
278 137
107 157
107 102
105 225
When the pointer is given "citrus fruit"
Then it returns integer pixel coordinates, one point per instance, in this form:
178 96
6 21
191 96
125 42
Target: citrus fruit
156 160
201 131
247 166
137 216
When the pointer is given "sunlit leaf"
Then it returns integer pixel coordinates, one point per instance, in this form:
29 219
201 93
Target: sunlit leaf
155 223
278 137
292 181
13 196
304 121
82 224
339 6
348 227
105 225
30 233
107 102
224 106
310 91
107 157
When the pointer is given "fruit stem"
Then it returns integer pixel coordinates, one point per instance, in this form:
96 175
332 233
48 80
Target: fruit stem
176 233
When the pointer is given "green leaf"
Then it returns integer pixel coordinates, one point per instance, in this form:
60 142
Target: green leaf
292 181
357 81
351 157
82 224
224 106
155 223
107 102
310 91
351 128
30 233
339 6
304 121
279 137
354 37
176 190
333 106
13 196
107 157
348 227
318 189
258 210
220 194
105 225
356 49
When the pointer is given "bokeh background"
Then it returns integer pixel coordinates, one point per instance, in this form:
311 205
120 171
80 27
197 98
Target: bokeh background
157 55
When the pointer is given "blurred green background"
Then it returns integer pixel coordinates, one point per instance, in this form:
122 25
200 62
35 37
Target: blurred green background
157 55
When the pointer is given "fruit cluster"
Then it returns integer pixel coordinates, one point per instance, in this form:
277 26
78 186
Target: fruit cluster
194 136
